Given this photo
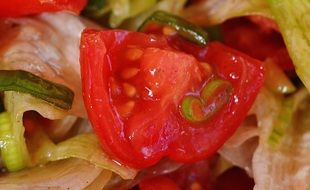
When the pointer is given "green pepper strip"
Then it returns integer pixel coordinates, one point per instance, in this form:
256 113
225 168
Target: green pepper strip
183 27
23 81
212 98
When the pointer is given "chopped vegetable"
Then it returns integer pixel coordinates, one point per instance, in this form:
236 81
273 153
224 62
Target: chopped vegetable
96 8
140 128
118 10
11 152
290 160
212 98
184 28
16 104
67 174
22 81
282 123
211 12
123 9
293 19
83 146
171 6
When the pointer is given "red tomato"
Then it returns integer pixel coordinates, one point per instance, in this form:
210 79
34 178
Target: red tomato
158 183
257 40
133 85
13 8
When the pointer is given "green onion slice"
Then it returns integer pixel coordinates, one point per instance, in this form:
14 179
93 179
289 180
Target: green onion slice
11 150
213 97
23 81
183 27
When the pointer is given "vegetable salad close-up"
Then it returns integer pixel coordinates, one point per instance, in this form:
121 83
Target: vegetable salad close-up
155 94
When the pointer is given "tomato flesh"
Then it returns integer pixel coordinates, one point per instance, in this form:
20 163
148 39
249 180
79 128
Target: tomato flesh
15 8
133 84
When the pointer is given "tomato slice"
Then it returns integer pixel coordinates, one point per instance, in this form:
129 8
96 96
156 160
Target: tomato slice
134 85
15 8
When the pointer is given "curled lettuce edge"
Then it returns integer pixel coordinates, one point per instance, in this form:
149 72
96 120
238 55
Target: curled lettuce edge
287 166
293 18
83 146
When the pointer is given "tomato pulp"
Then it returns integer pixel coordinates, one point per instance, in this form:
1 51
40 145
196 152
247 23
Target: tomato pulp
135 86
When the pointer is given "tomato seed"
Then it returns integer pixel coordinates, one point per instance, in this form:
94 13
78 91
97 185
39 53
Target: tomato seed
129 72
115 88
168 31
133 54
195 186
207 67
126 109
129 90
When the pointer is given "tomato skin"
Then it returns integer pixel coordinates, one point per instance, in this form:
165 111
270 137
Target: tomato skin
158 183
156 128
14 8
246 76
96 70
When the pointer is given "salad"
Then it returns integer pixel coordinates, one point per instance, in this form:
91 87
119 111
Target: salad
158 94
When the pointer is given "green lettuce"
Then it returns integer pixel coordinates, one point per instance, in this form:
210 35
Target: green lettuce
293 18
212 12
286 165
39 149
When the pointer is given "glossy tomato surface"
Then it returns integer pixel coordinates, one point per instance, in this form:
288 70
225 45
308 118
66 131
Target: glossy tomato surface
14 8
133 87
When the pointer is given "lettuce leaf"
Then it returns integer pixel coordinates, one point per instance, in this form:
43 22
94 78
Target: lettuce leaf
16 104
65 174
38 148
287 166
293 18
211 12
83 146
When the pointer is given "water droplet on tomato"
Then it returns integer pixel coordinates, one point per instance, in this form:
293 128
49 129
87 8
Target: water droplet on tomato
149 92
234 76
153 71
236 99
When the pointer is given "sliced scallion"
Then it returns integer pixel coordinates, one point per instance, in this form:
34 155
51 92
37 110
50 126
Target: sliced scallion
183 27
10 148
23 81
213 97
